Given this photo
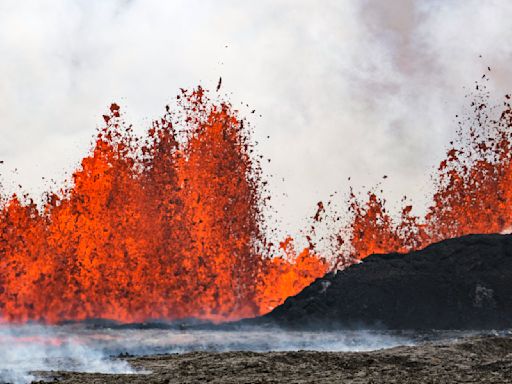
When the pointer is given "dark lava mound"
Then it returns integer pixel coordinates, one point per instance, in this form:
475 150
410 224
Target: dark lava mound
461 283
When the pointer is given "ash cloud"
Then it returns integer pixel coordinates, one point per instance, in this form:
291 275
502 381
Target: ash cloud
351 88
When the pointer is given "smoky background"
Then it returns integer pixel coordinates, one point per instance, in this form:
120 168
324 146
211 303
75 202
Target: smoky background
344 88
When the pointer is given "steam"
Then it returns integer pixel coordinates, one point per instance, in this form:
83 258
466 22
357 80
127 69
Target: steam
349 88
29 348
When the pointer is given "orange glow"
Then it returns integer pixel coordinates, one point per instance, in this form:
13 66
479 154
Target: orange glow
170 226
153 228
473 191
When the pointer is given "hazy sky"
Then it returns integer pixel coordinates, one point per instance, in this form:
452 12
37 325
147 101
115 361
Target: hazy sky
360 88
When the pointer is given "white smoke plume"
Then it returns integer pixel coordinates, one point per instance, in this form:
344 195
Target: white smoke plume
27 349
356 88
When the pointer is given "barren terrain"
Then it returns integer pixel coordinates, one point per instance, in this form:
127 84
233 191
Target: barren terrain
483 359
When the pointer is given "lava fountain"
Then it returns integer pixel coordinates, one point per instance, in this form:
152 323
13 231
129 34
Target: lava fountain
154 227
170 225
472 189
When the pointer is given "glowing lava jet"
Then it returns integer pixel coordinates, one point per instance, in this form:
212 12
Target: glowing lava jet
153 228
473 190
170 226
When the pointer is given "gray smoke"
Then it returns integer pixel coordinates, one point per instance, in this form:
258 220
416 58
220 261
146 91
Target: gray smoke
345 88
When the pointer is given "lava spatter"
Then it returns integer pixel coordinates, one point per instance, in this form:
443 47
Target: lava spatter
472 194
160 227
170 225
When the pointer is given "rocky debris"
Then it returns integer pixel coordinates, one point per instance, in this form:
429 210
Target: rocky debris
471 360
460 283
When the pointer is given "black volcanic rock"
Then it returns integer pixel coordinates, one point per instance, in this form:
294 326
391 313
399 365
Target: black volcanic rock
460 283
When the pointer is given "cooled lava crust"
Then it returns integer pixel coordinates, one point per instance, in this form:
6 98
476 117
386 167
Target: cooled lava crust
460 283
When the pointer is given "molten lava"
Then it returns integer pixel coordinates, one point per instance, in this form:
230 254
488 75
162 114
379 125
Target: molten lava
170 226
159 228
473 190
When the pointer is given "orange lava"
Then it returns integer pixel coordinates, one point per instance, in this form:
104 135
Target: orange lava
157 228
473 190
170 226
